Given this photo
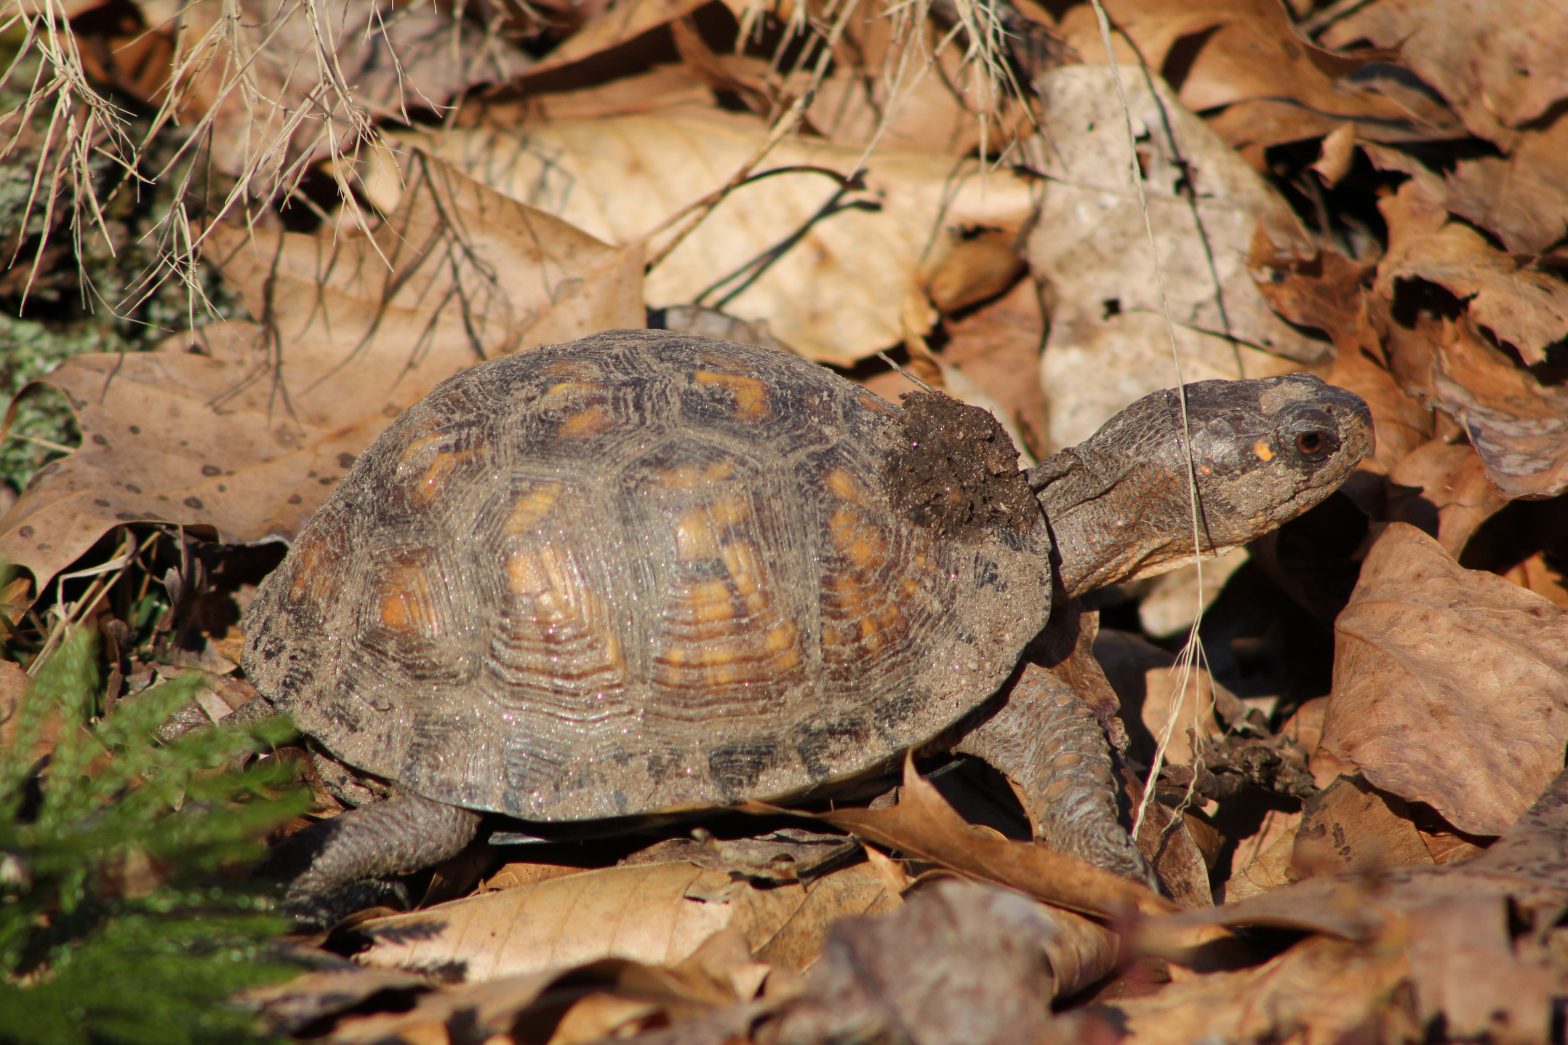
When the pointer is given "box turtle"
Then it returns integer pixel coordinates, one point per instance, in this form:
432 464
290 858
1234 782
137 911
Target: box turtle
647 573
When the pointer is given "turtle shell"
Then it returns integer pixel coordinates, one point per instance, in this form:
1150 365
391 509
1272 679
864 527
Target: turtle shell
638 573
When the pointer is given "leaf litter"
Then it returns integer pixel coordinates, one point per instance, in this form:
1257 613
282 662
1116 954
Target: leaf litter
1374 192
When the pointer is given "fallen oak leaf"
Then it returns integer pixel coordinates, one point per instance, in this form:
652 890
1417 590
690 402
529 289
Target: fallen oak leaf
840 253
923 825
1090 246
277 85
1450 685
1526 307
1469 945
1518 426
244 429
1493 62
658 913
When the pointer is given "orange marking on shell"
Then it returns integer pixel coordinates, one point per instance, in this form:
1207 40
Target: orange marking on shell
729 510
740 560
592 421
751 395
314 570
851 595
709 601
572 388
531 508
403 600
543 578
694 536
867 551
783 637
689 477
573 368
683 655
845 528
440 468
525 572
843 486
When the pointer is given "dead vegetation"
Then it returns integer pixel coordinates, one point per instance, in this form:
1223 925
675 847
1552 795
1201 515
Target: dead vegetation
1360 818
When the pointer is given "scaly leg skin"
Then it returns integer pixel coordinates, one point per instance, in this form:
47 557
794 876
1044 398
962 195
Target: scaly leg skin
331 867
1047 742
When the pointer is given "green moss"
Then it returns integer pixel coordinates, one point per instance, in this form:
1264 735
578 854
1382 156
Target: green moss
122 917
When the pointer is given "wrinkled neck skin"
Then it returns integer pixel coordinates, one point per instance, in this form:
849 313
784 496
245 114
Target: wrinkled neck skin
1105 529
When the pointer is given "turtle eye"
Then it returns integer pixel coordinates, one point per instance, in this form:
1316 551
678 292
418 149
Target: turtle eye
1315 444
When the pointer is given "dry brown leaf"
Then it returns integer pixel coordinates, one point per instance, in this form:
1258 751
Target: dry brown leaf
656 913
923 825
837 272
906 88
530 1006
1518 426
1091 249
1246 57
1450 685
315 998
1498 64
1525 307
16 689
1262 860
227 428
620 24
1349 826
1539 575
962 962
1521 198
286 83
1323 990
1470 943
1449 495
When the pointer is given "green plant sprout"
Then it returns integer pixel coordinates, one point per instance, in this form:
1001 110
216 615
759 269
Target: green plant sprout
123 917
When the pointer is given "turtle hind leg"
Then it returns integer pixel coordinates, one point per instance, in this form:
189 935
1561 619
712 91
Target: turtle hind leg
1046 741
336 866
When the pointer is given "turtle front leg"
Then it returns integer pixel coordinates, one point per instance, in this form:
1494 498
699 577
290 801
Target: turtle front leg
332 867
1048 743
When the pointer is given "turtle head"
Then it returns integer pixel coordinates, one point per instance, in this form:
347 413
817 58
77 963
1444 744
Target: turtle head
1264 451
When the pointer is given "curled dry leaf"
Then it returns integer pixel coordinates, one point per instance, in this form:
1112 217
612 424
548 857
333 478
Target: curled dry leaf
530 1006
1246 59
1091 248
1350 826
1450 685
1322 990
284 84
656 913
621 24
1521 198
1518 426
837 271
962 962
245 430
923 825
1469 946
1442 489
1525 307
1496 64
